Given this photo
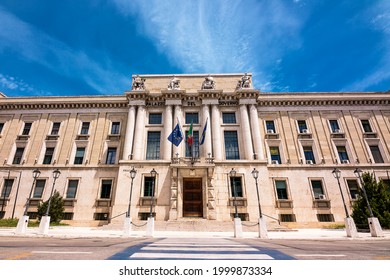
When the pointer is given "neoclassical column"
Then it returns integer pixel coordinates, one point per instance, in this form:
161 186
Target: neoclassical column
139 135
216 132
167 154
246 132
179 116
207 141
129 133
255 128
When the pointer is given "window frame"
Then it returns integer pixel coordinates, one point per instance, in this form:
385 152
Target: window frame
38 188
7 188
77 158
153 145
73 187
111 158
27 128
189 119
302 125
115 128
286 188
55 129
315 194
47 156
155 118
233 152
239 188
85 127
366 125
229 118
18 156
103 191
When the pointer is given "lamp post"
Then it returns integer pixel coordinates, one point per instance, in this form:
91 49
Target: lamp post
262 224
237 220
350 226
23 222
373 222
45 220
127 225
150 225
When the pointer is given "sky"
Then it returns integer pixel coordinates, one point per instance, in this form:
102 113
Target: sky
93 47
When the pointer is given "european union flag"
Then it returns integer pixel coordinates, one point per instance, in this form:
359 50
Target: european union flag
176 136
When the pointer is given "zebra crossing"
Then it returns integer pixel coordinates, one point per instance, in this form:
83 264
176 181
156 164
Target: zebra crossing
196 249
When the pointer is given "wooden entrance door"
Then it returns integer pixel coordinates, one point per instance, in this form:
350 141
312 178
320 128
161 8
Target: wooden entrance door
192 198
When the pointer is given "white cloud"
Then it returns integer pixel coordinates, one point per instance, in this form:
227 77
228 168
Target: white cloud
36 46
218 36
15 83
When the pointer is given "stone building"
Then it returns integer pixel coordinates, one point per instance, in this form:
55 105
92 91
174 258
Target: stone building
294 140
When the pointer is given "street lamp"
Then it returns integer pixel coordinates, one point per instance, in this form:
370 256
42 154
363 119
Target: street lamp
36 174
56 174
255 174
233 176
133 173
350 226
153 174
357 173
127 224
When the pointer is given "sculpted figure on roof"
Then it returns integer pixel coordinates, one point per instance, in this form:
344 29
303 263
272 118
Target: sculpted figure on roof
138 83
174 83
244 82
208 83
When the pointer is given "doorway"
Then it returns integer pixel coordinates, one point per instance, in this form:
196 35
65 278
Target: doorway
192 198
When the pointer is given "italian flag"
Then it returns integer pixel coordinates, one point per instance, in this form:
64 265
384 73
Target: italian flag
190 137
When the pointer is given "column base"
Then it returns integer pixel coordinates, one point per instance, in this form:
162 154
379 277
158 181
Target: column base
263 228
237 228
375 227
150 227
127 227
22 225
350 228
44 225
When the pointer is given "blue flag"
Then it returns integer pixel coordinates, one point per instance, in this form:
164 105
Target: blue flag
203 133
176 136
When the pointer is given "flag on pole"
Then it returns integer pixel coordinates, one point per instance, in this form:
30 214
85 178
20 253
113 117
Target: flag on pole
203 133
190 137
176 135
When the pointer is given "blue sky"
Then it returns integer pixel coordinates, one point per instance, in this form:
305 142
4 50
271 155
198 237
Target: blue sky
89 47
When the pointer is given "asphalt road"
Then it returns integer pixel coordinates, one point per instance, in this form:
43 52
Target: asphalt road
23 248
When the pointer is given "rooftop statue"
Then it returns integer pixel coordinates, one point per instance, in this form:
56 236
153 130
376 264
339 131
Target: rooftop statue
208 83
244 82
138 83
174 83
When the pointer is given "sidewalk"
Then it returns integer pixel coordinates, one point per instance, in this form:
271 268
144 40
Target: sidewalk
87 232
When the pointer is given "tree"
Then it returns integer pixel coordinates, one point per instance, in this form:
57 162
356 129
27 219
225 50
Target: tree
379 197
56 211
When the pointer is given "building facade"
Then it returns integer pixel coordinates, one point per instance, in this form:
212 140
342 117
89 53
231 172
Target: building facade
294 141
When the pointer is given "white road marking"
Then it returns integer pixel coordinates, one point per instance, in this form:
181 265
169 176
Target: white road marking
158 248
60 252
202 256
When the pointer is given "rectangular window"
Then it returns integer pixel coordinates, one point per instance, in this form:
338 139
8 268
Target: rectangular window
148 186
366 125
85 128
56 128
281 189
275 155
325 218
318 190
105 191
231 145
309 155
270 126
302 127
79 157
115 128
18 156
111 156
376 154
353 188
48 156
39 187
286 218
26 128
153 145
343 155
7 187
1 127
155 118
192 118
72 188
229 117
334 126
236 183
195 146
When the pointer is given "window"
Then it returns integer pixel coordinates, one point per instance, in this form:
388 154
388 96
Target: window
155 118
334 126
72 188
56 128
302 127
79 157
309 155
101 216
153 145
366 125
318 190
148 186
236 182
325 218
1 127
39 187
115 126
105 191
192 118
111 156
26 129
275 155
229 117
281 189
270 126
195 146
7 187
376 154
18 156
343 155
84 128
353 188
286 218
231 145
48 156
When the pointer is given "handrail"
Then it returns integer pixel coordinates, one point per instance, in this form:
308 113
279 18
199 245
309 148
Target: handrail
117 216
272 218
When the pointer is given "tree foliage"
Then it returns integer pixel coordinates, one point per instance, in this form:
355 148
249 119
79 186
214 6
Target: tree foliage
378 194
57 208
